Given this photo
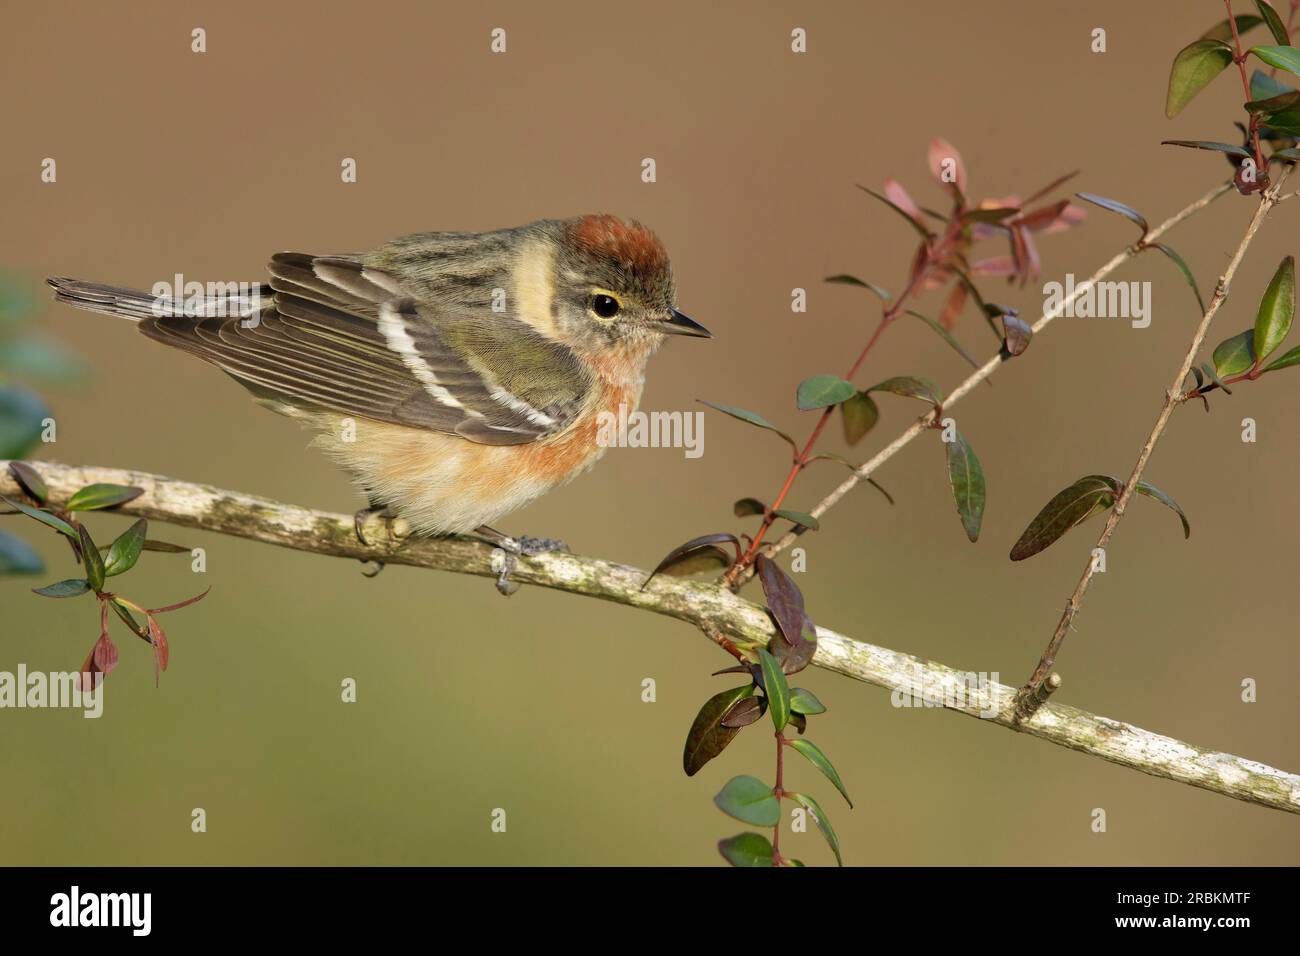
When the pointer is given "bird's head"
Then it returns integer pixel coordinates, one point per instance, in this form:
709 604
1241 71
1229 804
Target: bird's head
614 285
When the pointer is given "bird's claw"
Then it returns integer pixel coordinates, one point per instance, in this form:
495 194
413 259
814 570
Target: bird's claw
396 531
505 558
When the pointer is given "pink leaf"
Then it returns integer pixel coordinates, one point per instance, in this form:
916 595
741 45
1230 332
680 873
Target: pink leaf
105 654
995 266
896 194
952 308
946 165
161 650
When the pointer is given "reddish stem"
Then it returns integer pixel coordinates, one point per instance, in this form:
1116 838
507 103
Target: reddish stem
888 315
1240 60
779 790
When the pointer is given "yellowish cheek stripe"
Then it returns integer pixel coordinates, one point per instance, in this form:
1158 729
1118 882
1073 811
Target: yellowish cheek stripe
534 290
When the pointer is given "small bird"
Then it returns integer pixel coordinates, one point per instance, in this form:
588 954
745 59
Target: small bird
456 376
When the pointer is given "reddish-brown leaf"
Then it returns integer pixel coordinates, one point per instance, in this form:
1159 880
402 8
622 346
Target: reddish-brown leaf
784 599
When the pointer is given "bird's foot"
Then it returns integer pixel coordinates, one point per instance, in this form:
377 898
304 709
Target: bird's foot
395 531
508 551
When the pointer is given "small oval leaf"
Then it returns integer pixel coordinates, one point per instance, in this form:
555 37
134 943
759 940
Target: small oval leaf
776 689
854 280
708 737
125 550
784 599
30 481
102 495
746 849
1068 508
749 800
753 418
1195 66
804 701
694 555
1276 310
1114 205
799 518
1151 491
64 589
819 760
1235 354
823 823
92 559
821 391
860 416
911 386
966 477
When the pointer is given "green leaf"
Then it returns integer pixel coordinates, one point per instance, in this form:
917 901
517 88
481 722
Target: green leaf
1290 154
1263 86
946 336
854 280
17 556
745 507
102 495
749 800
30 480
1068 508
54 521
860 416
968 486
746 849
1195 66
1177 260
1275 24
1235 354
823 823
777 690
124 552
819 760
1223 31
708 737
1114 205
1151 491
64 589
911 386
1209 370
1283 57
799 517
22 414
1292 357
823 390
752 418
924 233
1207 144
805 702
1276 310
91 559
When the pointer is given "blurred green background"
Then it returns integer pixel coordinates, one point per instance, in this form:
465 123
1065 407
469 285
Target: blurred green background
206 164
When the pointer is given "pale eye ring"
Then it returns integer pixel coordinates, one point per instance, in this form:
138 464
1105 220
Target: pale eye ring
605 305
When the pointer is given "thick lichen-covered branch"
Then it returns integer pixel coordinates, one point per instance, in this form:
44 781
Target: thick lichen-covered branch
711 608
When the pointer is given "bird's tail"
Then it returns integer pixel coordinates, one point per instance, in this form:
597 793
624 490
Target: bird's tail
230 300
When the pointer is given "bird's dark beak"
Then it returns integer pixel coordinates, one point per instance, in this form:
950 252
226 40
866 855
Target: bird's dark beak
678 324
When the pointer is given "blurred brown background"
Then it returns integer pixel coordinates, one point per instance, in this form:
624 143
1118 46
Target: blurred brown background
170 162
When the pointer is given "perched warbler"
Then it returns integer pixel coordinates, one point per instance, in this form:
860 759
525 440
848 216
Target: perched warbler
456 376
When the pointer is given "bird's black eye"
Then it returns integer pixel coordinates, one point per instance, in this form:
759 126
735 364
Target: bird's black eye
605 306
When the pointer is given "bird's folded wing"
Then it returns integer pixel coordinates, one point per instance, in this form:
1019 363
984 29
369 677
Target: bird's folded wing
348 338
